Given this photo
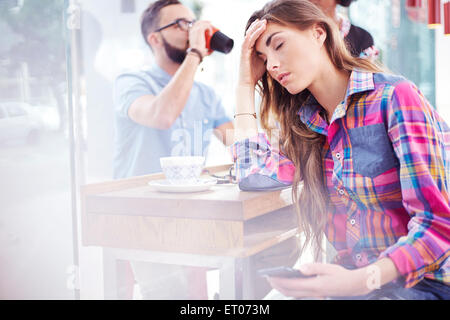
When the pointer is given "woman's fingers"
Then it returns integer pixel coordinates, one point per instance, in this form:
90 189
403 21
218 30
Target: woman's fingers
295 287
251 70
252 26
254 32
296 284
320 268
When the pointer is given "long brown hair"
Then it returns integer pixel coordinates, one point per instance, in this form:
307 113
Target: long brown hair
301 145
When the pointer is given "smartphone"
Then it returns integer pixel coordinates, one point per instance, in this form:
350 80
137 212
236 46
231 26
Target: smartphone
282 272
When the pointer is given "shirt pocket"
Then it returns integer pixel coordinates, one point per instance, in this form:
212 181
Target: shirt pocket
372 151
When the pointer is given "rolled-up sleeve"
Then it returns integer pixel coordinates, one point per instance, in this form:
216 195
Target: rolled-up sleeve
259 166
127 88
421 143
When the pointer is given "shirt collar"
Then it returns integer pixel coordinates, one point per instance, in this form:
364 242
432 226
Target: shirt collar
310 115
360 81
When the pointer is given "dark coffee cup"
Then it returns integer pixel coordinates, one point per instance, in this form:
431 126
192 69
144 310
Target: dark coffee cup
218 41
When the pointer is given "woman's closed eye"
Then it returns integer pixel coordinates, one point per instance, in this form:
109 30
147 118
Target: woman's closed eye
279 46
276 49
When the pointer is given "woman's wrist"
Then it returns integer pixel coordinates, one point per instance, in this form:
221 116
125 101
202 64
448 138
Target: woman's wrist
363 283
388 270
245 89
245 99
374 276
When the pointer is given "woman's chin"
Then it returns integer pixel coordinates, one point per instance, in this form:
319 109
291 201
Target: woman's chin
294 89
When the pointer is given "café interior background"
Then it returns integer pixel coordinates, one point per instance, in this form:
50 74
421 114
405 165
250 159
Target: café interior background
47 151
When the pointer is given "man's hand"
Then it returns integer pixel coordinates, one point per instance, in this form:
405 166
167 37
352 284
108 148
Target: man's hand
197 36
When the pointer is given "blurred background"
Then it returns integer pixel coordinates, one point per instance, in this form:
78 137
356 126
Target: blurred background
58 60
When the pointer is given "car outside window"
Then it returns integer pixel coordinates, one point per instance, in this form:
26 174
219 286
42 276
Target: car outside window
15 111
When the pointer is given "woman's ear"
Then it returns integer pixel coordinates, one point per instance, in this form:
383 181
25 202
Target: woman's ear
319 34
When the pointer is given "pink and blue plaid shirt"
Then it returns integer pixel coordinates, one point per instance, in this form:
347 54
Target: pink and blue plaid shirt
387 170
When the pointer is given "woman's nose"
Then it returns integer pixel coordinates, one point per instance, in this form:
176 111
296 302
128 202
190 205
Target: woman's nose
272 66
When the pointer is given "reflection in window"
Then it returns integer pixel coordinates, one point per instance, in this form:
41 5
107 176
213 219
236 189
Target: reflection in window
16 111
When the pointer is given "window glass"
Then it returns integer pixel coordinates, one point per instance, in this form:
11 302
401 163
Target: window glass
406 44
15 110
36 251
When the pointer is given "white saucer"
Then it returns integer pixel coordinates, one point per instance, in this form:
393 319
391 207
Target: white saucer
164 185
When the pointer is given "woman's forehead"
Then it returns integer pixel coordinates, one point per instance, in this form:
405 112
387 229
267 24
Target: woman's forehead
271 30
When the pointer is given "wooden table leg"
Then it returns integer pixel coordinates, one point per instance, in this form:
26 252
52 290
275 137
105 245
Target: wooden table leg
234 283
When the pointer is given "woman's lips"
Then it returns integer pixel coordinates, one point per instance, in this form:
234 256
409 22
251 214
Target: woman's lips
283 78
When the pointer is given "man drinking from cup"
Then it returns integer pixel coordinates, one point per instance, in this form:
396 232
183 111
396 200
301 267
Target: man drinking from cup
162 111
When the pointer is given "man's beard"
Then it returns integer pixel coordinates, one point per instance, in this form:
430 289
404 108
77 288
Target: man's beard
174 54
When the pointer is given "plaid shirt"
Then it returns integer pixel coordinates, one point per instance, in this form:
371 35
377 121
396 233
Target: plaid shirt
387 170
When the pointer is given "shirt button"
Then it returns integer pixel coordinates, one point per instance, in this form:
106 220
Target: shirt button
358 256
341 192
338 156
352 222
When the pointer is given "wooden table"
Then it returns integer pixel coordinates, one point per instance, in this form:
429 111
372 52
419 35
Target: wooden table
219 228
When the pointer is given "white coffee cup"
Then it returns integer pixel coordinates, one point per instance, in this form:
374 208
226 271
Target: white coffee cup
182 170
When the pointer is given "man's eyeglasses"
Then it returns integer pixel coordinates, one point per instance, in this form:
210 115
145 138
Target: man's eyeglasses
182 23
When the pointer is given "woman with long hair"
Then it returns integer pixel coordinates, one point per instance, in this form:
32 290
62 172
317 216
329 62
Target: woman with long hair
366 154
